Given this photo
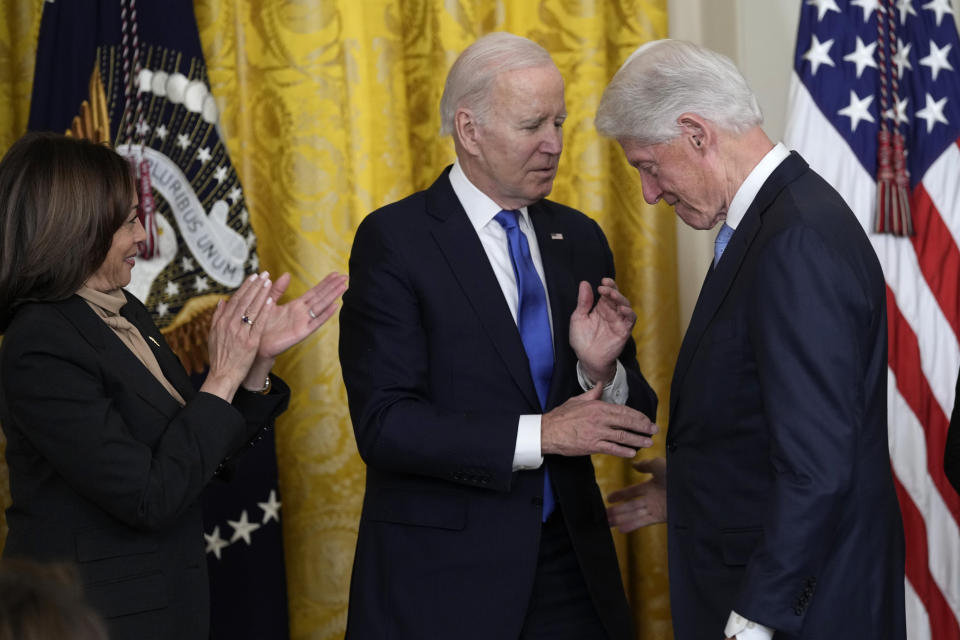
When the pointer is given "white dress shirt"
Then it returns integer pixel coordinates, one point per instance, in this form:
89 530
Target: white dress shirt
737 626
481 211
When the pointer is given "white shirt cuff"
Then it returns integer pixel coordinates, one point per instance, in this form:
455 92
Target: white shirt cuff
615 392
527 455
742 629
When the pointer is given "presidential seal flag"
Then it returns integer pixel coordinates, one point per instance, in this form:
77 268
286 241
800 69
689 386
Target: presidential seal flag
132 74
875 109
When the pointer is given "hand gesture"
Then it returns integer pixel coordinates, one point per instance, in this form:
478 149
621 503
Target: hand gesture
235 335
598 335
290 323
585 424
641 504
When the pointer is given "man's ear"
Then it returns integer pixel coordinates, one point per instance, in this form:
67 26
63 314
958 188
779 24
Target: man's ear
695 130
466 130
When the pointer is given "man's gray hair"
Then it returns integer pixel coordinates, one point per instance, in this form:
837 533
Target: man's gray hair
662 80
471 77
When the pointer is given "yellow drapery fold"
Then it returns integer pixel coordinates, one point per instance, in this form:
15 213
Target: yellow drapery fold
330 109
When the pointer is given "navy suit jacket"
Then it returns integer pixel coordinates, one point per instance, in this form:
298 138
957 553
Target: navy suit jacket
106 467
437 378
780 495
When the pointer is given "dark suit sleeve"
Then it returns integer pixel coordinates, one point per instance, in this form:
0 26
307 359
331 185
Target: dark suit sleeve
391 368
951 456
809 318
61 403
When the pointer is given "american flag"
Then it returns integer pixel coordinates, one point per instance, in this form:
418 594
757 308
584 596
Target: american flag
861 65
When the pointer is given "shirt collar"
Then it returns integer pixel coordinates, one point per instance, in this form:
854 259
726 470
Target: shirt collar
478 205
751 186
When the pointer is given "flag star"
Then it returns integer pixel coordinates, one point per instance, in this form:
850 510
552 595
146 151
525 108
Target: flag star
823 6
251 239
204 155
215 544
937 59
901 111
862 56
902 58
271 508
172 288
857 110
868 6
220 174
244 216
187 264
933 112
254 263
162 132
183 141
940 7
143 128
201 284
818 54
242 528
905 7
162 309
234 195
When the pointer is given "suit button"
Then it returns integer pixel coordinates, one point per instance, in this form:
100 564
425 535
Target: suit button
798 610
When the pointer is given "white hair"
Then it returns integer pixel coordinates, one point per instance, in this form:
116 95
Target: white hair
471 77
666 78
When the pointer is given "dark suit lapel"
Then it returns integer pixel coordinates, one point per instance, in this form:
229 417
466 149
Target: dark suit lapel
468 261
169 363
718 281
555 253
116 355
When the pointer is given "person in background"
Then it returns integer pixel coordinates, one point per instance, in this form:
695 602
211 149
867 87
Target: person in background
108 443
782 516
481 375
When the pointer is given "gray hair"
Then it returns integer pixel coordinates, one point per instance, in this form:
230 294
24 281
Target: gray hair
662 80
472 74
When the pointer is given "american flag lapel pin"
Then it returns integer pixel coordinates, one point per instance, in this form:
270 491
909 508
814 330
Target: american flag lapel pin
556 236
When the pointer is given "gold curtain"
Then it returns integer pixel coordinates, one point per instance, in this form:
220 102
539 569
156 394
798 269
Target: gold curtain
330 109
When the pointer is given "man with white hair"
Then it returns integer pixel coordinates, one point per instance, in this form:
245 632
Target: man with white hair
481 376
782 517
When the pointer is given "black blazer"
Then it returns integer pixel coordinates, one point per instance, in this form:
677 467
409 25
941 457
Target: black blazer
781 500
437 377
106 467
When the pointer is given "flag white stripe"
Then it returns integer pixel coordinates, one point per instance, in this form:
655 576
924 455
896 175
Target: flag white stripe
918 623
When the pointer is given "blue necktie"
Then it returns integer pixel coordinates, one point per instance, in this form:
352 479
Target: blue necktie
720 244
533 322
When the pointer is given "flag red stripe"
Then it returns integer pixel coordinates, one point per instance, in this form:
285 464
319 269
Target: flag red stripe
943 624
938 255
904 358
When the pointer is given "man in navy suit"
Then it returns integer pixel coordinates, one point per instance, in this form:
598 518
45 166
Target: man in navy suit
481 376
782 516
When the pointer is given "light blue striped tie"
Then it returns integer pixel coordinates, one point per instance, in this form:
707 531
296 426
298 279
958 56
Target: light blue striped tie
720 244
533 321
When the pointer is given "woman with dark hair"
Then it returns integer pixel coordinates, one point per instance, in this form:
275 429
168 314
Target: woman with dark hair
108 444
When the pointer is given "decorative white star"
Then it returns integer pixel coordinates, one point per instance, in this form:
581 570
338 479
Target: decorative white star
215 544
187 264
941 7
933 112
251 239
868 6
254 263
162 132
818 54
902 57
143 128
201 284
905 7
162 309
862 56
204 155
172 288
220 174
183 141
823 6
271 508
857 110
937 59
234 195
901 109
242 528
244 216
